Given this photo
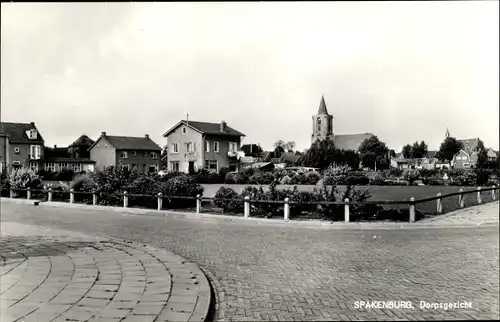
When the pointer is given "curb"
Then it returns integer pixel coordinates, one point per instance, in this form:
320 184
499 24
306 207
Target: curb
426 224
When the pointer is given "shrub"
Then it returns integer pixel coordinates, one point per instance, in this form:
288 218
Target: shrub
228 205
411 175
395 172
354 179
312 177
148 185
378 180
286 180
234 178
261 178
23 179
110 181
468 178
4 184
205 176
181 186
482 177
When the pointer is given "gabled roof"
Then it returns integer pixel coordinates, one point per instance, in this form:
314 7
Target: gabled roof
129 143
470 145
266 156
289 157
61 152
322 107
83 141
17 132
205 128
69 160
350 141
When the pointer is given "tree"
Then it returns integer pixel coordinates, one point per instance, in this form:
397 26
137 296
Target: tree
449 147
392 153
419 150
320 155
407 151
278 151
373 153
482 155
279 143
251 149
289 146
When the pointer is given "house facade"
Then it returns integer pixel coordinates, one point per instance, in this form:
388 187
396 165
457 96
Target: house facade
466 158
74 157
196 145
136 153
21 145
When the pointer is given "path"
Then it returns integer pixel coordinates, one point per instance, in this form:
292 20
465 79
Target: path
287 272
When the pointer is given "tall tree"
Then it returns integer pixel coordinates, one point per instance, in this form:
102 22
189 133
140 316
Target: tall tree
482 155
448 149
419 150
320 155
373 153
251 149
279 143
407 151
289 146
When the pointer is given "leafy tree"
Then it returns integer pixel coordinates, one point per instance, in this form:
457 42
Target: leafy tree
279 143
278 151
448 149
407 151
392 153
251 149
289 146
320 155
419 150
373 152
482 155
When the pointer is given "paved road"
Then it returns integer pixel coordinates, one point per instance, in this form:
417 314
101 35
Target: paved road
283 272
53 275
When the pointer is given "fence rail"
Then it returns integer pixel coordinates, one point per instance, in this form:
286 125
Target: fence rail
410 203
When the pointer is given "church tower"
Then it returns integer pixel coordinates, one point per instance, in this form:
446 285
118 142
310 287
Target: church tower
322 123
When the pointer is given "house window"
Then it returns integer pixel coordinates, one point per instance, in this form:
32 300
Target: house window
189 147
154 155
319 125
35 152
174 166
123 155
175 147
34 166
212 165
184 131
63 165
216 147
152 169
134 153
207 146
145 154
77 167
16 150
50 166
233 146
466 165
32 134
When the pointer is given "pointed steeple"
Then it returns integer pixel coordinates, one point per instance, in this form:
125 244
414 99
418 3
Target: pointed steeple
447 133
322 107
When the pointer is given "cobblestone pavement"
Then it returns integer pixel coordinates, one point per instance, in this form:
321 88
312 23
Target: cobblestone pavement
52 275
475 215
288 272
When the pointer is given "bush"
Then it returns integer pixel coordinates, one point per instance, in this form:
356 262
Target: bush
181 186
261 178
205 176
234 178
228 205
482 177
378 180
411 175
312 177
4 184
286 180
110 181
23 179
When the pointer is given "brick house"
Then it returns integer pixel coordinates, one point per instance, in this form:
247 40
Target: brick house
136 153
21 145
75 157
195 145
467 157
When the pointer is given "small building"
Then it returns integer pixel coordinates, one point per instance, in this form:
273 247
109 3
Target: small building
21 145
466 158
195 145
136 153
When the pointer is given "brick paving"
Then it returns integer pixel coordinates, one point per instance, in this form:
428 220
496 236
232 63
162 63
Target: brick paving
475 215
53 275
289 272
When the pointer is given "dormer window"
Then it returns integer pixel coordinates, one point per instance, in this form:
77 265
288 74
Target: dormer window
32 134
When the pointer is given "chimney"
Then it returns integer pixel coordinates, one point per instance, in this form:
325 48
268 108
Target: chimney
223 126
55 146
146 136
103 134
32 123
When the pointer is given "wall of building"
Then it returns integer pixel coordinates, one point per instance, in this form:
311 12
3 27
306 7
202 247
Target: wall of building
24 153
138 160
461 160
221 157
103 153
182 139
325 130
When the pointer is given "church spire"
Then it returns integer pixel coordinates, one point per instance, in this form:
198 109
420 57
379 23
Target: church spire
322 107
447 133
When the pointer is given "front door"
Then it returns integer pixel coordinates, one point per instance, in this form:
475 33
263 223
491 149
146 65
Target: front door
191 167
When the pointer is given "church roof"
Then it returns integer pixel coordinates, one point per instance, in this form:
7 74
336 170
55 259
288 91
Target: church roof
350 141
322 107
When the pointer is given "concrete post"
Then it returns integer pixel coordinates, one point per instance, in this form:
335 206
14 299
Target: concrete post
412 209
11 193
346 210
439 203
125 199
94 198
28 195
461 198
160 201
287 209
49 198
493 193
198 204
71 196
479 195
247 207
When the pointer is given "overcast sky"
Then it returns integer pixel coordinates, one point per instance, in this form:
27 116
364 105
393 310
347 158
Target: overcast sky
404 71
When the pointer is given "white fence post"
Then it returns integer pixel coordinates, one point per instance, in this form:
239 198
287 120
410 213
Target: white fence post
479 195
49 198
246 213
287 209
493 193
346 210
160 201
439 203
28 195
198 204
71 196
125 199
94 198
11 194
412 209
461 198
